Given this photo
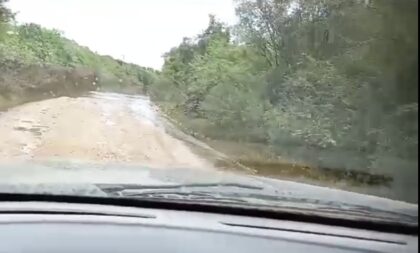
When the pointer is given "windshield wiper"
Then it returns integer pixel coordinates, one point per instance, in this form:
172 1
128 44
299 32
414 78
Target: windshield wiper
340 207
189 196
119 189
198 192
251 197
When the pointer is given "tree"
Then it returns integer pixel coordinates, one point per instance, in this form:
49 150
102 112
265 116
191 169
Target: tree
224 65
5 16
179 63
263 24
5 13
215 30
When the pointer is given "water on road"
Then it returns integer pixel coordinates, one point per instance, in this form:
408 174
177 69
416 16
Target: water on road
101 127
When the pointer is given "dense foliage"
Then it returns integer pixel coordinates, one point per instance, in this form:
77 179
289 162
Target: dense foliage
331 82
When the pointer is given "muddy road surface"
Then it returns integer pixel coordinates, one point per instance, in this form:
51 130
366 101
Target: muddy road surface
100 127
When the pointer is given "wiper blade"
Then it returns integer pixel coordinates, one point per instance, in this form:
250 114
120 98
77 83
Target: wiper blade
334 207
197 192
112 188
189 196
372 213
251 196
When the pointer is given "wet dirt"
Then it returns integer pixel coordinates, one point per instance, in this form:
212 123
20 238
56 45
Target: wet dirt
101 127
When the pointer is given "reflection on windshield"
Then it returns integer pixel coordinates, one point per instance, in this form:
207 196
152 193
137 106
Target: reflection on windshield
314 92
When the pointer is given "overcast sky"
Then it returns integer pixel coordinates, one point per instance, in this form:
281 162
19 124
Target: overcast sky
137 31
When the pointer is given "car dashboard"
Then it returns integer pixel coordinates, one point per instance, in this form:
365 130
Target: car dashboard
71 227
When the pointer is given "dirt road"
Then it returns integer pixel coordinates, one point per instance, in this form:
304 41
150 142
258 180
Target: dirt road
101 127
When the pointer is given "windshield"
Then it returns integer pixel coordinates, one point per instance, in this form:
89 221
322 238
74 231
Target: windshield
300 105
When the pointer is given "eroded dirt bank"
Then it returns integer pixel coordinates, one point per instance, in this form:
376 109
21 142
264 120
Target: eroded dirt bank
101 127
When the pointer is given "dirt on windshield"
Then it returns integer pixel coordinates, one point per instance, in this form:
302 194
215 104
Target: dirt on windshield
99 128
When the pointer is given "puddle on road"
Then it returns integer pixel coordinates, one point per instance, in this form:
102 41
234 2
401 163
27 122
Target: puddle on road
140 106
143 109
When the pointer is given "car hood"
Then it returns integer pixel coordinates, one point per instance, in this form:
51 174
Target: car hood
79 178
